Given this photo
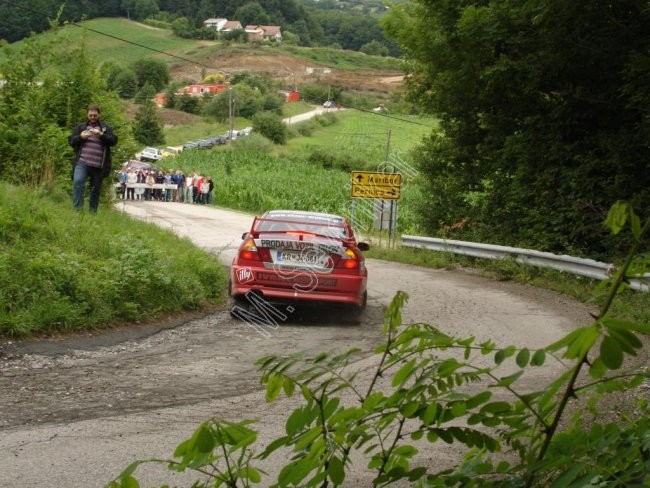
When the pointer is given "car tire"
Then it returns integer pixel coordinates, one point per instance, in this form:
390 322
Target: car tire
236 303
356 312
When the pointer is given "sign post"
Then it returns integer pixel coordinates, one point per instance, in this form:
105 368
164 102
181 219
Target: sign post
381 186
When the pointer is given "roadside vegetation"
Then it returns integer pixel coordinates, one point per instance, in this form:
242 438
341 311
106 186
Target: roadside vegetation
533 177
65 272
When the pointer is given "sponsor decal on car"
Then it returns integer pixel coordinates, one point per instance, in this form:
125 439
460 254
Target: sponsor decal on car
291 245
245 275
299 279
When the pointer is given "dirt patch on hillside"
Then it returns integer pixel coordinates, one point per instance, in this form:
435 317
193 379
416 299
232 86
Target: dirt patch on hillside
291 71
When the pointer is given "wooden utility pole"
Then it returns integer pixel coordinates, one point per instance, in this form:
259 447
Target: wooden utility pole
231 110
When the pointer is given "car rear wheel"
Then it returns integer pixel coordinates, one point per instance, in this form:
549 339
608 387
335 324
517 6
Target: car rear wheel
356 312
236 304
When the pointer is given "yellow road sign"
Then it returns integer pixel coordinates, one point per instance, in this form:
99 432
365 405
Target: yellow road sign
385 193
366 184
368 178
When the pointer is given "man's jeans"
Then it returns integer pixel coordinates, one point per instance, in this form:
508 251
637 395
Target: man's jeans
80 175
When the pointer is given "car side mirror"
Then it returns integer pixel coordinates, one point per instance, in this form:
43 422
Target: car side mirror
363 246
244 236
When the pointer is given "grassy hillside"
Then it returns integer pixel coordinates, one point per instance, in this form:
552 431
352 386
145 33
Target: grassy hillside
125 41
63 271
367 136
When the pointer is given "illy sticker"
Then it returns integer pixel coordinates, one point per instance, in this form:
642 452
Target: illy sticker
244 275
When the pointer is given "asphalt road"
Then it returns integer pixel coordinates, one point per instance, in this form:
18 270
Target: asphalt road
75 412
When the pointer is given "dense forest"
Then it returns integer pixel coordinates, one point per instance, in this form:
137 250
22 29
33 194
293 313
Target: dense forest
544 111
310 24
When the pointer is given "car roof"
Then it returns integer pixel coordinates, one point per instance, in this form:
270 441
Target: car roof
304 216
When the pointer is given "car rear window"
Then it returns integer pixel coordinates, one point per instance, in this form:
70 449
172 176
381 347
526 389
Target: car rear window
323 225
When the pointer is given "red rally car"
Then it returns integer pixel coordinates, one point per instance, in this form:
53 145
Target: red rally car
295 255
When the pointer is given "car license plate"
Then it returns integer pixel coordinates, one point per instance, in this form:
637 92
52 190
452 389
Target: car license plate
288 257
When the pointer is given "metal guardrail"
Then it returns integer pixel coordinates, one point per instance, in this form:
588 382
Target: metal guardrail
569 264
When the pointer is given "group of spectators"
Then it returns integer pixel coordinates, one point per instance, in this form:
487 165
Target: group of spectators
192 188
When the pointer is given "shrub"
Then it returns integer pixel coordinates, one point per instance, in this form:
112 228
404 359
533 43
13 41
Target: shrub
253 143
306 128
271 126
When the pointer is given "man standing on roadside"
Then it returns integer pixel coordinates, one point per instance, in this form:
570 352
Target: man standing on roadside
92 141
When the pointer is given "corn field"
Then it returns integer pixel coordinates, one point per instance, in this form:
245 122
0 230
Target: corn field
256 182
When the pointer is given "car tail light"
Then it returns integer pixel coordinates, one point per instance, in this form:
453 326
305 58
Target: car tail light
347 260
265 254
251 252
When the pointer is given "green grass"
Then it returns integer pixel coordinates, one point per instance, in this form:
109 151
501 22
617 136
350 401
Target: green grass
340 59
124 41
295 108
142 41
366 134
65 271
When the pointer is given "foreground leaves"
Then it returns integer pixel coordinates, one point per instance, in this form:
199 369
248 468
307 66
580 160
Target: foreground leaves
429 387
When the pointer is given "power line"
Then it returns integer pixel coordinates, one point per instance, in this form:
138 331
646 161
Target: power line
191 61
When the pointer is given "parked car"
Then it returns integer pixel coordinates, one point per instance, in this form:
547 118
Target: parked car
220 139
328 104
171 151
149 154
190 145
300 256
246 131
136 164
205 143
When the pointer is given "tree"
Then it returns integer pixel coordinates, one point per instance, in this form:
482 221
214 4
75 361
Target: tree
289 38
147 127
45 92
182 27
126 84
146 93
247 100
273 103
152 71
236 35
263 84
119 79
218 107
544 121
140 9
252 13
374 48
270 125
170 97
188 103
301 29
